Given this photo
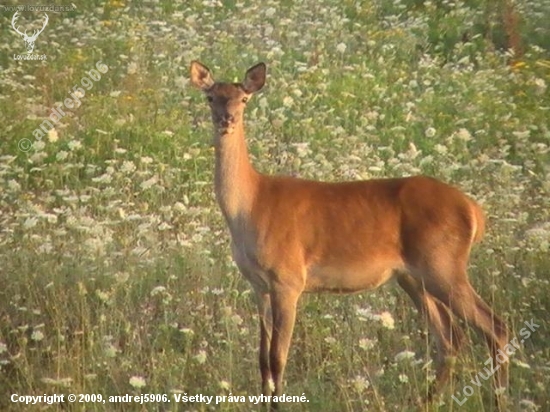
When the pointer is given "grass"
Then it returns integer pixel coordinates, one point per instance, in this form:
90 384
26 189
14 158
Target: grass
115 266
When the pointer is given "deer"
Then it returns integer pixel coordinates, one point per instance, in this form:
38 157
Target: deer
291 236
29 40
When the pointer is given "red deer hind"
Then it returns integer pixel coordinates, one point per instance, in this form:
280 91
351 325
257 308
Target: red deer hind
291 236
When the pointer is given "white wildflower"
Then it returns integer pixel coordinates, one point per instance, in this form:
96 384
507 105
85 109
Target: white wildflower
74 144
521 364
179 207
164 226
61 155
360 383
62 382
102 296
13 185
200 357
297 92
128 166
132 68
158 290
147 184
110 351
263 103
236 319
137 382
430 132
288 101
365 313
522 135
52 135
37 335
30 222
104 178
341 47
439 148
270 12
405 355
38 145
366 344
464 135
387 320
541 86
528 405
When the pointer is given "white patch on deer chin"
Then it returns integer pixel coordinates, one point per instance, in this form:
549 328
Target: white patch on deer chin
226 130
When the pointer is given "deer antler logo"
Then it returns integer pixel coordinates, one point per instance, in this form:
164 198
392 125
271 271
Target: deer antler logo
29 40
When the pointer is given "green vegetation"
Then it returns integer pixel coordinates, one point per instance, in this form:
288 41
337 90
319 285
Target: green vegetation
115 270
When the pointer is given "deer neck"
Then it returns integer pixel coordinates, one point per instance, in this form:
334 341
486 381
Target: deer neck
235 178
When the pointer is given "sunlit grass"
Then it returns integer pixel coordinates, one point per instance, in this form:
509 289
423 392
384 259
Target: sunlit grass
114 261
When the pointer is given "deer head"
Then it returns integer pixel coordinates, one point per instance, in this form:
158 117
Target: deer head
29 40
227 100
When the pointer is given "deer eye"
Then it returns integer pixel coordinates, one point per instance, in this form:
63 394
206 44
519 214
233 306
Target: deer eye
210 99
245 99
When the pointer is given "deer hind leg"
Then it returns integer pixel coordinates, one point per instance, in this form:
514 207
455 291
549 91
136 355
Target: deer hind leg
448 336
468 305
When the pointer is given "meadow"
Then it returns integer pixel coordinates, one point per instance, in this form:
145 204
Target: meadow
115 270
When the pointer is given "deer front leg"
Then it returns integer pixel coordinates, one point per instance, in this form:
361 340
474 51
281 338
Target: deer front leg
266 327
283 305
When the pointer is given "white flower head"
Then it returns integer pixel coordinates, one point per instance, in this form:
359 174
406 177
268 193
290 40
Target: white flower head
541 86
200 357
132 68
387 320
74 144
61 155
128 166
464 135
405 355
37 336
360 383
137 382
366 344
430 132
52 135
38 145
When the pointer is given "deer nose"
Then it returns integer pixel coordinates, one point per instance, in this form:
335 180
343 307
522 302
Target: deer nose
227 119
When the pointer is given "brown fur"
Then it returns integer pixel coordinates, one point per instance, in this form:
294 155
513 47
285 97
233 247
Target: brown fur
291 236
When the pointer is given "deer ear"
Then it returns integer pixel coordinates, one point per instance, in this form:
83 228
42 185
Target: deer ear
201 77
254 79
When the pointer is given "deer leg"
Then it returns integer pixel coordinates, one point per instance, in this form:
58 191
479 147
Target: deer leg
283 305
448 335
468 305
266 326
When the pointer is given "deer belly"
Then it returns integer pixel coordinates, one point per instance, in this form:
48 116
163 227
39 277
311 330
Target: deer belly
349 279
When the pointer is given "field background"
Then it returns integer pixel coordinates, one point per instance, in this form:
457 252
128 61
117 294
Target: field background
115 270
